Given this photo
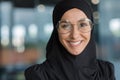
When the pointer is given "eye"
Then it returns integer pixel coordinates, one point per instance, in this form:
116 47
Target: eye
65 26
83 24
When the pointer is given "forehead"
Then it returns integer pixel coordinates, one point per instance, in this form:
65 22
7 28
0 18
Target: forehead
73 15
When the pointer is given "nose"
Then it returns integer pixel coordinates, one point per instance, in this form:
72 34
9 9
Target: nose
75 33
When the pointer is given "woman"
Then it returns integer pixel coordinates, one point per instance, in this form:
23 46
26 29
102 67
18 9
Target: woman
71 52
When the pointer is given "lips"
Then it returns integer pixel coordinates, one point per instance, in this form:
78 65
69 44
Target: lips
75 43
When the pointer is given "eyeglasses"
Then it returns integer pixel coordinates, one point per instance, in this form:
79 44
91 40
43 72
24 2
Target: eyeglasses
84 26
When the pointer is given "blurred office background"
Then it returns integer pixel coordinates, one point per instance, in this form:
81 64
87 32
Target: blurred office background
26 25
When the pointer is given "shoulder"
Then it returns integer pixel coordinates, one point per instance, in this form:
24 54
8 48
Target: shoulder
31 73
33 68
106 68
34 72
106 64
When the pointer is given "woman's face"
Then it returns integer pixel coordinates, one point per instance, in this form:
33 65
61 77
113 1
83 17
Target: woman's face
74 41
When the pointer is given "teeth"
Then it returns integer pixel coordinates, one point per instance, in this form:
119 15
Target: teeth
75 43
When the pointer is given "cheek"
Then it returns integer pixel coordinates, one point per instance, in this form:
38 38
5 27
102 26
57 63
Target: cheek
86 38
87 35
63 38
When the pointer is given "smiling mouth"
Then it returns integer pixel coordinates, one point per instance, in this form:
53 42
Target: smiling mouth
76 43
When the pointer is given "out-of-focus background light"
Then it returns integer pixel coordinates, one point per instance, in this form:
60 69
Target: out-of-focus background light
5 35
95 1
18 40
41 8
48 28
115 27
33 30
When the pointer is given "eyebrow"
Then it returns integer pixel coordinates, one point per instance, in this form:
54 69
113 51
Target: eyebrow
64 20
82 19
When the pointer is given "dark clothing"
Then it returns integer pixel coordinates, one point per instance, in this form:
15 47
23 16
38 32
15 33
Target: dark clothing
45 71
62 65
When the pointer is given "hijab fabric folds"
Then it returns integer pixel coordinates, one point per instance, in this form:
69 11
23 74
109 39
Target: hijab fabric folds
60 64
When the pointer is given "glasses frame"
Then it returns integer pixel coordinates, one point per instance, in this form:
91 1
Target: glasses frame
84 19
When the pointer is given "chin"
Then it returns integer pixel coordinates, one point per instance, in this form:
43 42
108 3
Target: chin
75 53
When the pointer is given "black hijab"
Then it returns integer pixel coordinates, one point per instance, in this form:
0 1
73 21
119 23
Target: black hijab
82 66
60 64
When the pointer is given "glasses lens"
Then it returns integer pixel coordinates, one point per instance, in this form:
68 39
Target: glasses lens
85 25
64 27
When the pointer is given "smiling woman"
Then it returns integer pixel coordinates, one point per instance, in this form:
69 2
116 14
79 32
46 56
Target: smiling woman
71 50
